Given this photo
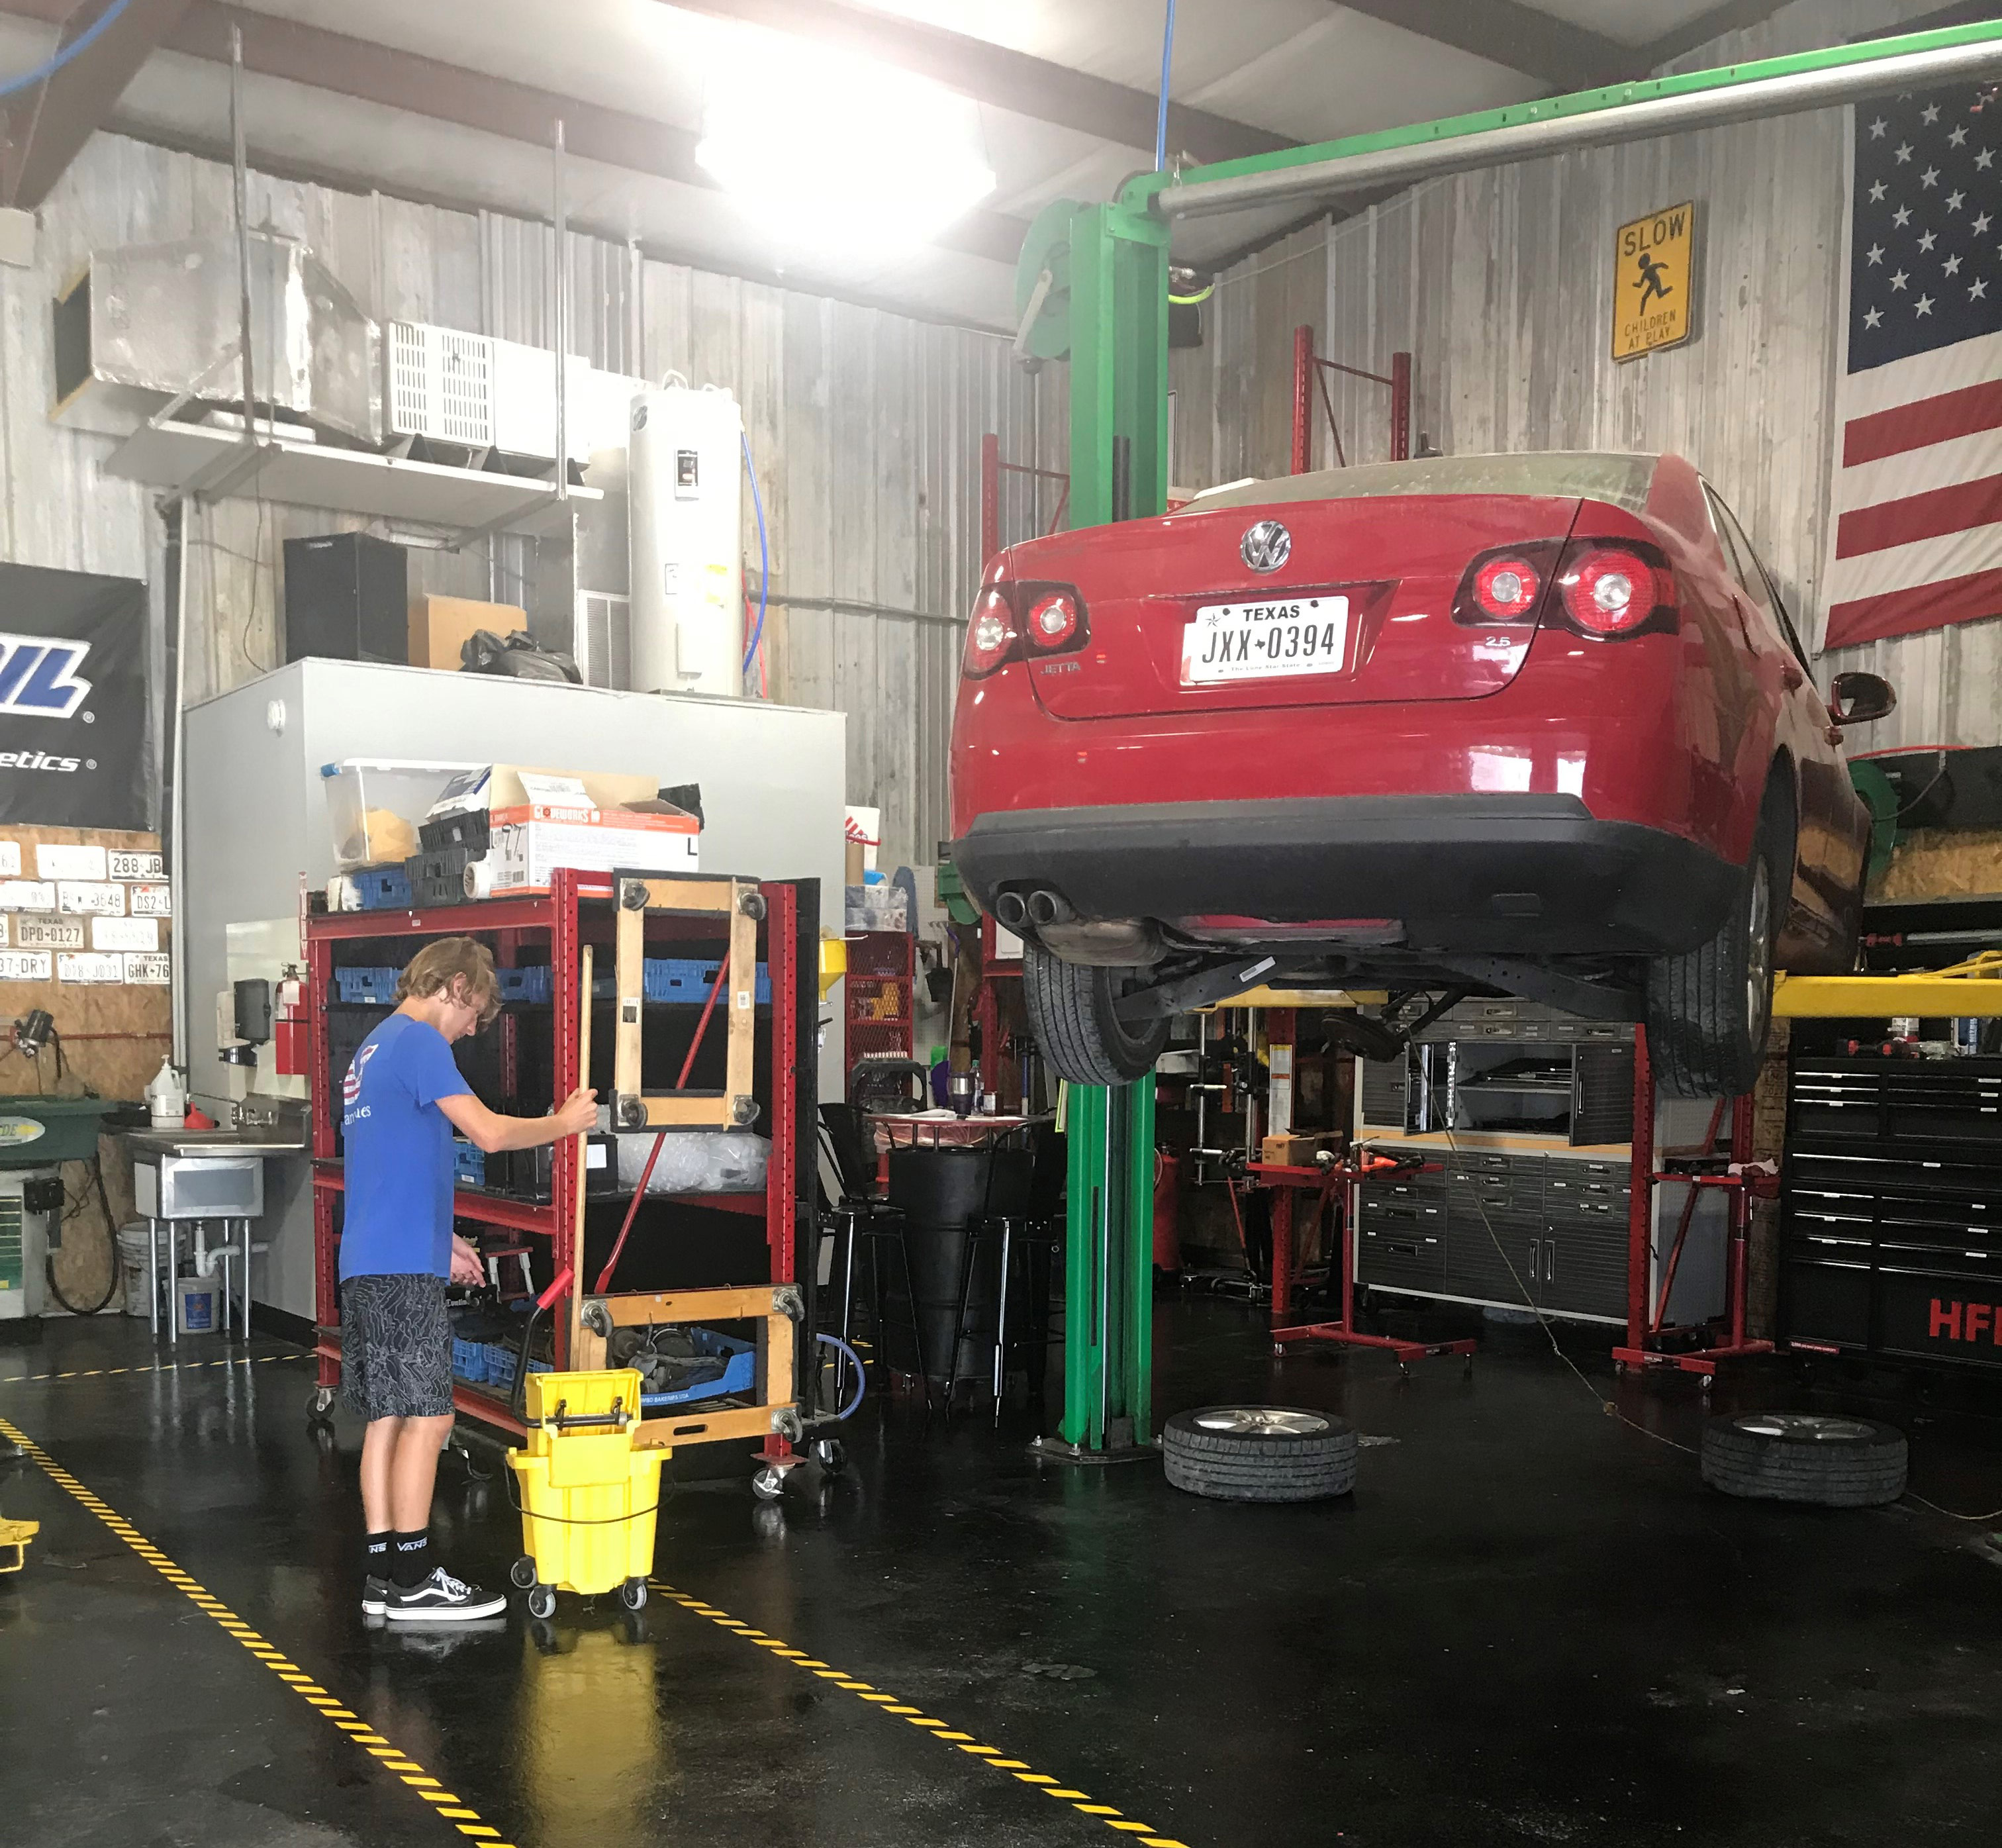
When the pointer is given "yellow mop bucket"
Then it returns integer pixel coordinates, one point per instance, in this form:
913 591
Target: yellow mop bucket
588 1498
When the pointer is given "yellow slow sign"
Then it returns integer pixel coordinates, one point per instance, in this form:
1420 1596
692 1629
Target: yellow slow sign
1651 270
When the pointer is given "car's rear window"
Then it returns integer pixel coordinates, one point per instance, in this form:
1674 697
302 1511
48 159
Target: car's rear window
1588 475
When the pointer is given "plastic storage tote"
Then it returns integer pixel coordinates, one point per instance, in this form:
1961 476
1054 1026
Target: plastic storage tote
375 806
588 1498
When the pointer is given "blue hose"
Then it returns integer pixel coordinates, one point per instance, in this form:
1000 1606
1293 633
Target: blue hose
861 1378
1161 116
14 85
764 557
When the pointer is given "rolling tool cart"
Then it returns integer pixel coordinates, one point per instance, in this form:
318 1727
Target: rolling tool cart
746 1054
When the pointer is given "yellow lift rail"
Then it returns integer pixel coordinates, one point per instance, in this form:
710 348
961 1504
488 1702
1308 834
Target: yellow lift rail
1973 988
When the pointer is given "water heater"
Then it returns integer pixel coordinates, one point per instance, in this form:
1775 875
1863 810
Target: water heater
685 486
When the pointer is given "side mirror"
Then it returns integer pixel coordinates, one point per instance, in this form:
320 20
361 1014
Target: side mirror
1855 698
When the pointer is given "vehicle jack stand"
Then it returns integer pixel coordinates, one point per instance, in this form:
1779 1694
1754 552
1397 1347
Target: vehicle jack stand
1731 1173
1341 1331
1108 1277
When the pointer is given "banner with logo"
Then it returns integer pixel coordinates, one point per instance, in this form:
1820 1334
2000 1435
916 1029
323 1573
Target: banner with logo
73 747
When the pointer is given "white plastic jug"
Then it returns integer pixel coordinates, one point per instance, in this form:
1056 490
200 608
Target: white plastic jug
166 1098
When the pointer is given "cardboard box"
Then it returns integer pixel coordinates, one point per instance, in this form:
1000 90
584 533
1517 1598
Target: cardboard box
529 843
498 786
1299 1151
441 626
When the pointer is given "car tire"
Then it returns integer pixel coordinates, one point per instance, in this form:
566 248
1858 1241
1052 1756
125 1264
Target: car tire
1259 1453
1709 1010
1070 1007
1832 1462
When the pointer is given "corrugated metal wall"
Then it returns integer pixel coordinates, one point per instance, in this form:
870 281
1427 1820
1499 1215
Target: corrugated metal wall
1499 283
865 425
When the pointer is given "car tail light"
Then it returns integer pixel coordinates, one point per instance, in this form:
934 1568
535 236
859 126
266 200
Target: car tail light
1052 619
1507 585
1506 588
1611 589
1011 619
990 633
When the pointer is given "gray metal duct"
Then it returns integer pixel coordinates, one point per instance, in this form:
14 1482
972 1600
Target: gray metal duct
1755 97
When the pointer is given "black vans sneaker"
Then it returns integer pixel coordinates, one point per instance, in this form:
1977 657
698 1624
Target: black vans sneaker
374 1595
441 1599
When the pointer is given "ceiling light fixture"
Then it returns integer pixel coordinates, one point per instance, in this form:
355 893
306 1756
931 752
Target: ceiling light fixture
830 151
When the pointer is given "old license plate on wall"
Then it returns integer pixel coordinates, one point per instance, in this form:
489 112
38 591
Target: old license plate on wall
1265 641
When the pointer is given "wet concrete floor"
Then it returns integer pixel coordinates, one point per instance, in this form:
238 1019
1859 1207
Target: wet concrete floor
1531 1623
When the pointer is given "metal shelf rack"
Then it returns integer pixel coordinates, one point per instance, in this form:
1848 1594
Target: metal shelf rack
578 911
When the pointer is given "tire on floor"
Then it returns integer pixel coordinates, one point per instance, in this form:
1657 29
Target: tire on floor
1259 1453
1829 1460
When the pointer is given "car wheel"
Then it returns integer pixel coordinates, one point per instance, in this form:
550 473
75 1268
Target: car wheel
1804 1456
1259 1453
1708 1011
1070 1007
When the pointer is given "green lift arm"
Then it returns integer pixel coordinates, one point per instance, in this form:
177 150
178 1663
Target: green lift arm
1092 287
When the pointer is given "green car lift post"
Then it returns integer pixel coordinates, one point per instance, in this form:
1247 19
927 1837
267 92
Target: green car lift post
1091 286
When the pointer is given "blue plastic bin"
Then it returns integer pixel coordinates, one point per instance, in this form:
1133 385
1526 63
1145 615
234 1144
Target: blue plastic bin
373 987
468 1163
502 1362
531 984
689 978
468 1360
382 888
738 1376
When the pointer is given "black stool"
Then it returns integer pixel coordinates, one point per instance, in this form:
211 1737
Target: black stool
860 1218
1030 1239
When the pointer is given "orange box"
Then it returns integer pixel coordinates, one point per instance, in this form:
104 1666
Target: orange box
441 626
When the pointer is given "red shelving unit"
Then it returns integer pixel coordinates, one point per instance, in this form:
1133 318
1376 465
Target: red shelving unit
577 911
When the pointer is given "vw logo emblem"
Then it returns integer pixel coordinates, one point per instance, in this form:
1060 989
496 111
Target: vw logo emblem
1266 546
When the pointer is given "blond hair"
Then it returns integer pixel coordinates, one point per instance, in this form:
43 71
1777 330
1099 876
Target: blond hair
436 970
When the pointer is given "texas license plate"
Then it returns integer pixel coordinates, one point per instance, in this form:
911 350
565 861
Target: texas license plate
1264 641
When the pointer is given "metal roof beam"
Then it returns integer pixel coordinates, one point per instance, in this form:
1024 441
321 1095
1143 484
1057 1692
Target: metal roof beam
1733 16
1515 36
1003 77
46 127
296 53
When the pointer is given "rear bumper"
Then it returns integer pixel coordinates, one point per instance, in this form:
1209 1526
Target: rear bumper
1499 874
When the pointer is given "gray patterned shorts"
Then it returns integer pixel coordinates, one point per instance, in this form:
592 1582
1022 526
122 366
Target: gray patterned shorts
396 1346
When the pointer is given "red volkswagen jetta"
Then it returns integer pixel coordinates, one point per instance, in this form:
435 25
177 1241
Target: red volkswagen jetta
1532 724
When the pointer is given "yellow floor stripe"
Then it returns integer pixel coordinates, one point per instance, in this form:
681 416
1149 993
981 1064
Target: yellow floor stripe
938 1729
283 1669
171 1366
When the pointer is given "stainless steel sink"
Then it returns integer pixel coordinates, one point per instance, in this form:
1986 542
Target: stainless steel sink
213 1142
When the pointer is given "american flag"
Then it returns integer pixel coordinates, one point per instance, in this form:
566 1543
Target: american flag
1917 538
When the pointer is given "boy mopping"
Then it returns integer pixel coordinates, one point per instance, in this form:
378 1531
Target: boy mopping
403 1098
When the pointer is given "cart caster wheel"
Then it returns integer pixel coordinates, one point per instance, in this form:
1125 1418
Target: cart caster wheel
633 1594
523 1574
1278 1350
543 1601
768 1484
830 1454
1404 1371
1705 1382
319 1406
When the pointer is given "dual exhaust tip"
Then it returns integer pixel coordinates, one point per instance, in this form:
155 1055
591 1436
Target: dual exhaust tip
1038 907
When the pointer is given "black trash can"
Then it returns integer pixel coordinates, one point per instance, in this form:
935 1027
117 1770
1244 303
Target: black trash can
944 1193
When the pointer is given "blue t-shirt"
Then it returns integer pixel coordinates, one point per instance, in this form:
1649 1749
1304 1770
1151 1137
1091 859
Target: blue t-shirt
398 1146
